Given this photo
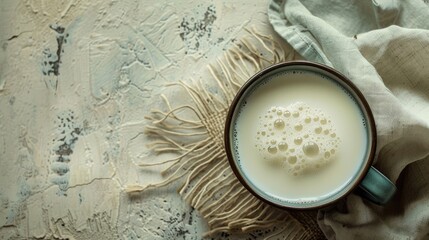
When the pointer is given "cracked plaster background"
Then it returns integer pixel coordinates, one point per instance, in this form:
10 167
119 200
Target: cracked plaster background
76 79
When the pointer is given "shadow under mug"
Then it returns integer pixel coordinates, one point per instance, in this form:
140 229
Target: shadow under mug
367 181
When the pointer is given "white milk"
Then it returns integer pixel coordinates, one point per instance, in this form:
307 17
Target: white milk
300 137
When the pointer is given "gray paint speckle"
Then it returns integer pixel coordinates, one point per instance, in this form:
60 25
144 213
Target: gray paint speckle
68 132
195 27
52 60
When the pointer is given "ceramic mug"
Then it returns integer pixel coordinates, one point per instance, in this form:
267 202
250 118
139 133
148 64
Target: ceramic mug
300 135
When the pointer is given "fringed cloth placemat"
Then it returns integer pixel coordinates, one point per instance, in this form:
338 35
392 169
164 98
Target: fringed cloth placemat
195 133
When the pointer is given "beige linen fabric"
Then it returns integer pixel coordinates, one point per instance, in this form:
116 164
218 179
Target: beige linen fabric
383 47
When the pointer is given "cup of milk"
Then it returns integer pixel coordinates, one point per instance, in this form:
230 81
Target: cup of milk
300 135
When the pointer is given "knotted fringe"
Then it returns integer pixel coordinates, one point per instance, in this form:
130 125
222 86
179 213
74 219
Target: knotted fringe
195 132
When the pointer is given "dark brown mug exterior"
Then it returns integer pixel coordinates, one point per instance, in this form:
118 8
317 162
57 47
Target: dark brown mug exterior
259 76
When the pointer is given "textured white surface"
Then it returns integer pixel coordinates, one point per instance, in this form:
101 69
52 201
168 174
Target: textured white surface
76 79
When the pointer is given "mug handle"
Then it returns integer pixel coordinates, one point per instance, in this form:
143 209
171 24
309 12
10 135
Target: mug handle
376 187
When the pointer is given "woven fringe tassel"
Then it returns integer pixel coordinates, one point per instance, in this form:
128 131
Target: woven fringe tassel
209 184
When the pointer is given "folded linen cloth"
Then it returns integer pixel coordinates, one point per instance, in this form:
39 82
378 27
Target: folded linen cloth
383 47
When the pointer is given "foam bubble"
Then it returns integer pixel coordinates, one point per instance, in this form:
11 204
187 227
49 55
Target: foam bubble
272 149
297 141
279 123
307 120
282 146
301 138
327 154
292 160
286 113
298 127
310 149
295 114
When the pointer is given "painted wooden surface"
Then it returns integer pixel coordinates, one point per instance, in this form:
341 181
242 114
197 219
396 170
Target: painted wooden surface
76 80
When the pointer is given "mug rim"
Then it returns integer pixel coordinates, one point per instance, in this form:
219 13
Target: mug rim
259 76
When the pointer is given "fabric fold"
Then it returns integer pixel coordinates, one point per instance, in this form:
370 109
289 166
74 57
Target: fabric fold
388 63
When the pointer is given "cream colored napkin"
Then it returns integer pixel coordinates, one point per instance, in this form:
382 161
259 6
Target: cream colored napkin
383 47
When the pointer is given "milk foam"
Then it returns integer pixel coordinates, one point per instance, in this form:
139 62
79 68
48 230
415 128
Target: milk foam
298 137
